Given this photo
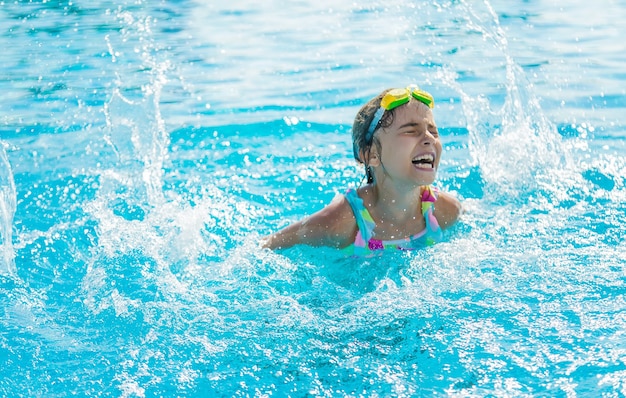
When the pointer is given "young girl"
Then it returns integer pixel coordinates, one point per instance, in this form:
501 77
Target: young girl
395 136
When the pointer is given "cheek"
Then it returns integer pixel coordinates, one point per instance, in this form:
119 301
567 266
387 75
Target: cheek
439 150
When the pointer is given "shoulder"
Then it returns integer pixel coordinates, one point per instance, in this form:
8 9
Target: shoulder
335 222
448 209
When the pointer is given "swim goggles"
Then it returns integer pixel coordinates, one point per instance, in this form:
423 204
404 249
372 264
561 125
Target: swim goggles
393 99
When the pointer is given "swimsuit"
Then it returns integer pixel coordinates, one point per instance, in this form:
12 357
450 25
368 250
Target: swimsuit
364 244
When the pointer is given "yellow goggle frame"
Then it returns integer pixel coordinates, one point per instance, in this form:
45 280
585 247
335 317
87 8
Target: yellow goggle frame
400 96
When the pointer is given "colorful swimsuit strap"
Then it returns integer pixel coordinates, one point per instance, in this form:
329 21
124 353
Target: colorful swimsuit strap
364 220
429 196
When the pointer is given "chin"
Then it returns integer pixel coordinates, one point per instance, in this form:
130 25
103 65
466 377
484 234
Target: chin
427 177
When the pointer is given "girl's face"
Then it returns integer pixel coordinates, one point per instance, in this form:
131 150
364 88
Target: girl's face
410 146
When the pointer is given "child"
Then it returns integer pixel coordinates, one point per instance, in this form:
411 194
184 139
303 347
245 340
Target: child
395 136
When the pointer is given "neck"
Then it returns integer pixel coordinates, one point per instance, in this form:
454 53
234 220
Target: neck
396 203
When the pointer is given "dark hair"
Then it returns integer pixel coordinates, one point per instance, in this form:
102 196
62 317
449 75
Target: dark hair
361 124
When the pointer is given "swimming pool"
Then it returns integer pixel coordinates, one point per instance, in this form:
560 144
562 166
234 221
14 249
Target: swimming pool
146 147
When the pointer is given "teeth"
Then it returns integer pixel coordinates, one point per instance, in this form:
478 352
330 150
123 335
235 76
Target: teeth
427 157
426 161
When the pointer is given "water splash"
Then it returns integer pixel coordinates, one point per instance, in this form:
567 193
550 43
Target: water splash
136 128
7 212
138 137
135 221
516 147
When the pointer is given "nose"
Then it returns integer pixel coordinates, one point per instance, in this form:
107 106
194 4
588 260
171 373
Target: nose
428 138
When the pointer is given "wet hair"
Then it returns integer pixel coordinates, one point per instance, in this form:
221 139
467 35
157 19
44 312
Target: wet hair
360 126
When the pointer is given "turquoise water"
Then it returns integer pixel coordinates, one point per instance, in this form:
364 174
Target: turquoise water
145 147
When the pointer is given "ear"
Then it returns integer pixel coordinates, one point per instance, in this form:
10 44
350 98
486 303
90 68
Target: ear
371 156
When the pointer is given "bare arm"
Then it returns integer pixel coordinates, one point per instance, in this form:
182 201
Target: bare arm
447 210
333 226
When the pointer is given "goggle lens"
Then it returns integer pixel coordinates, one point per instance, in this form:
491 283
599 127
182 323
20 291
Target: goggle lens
424 97
394 98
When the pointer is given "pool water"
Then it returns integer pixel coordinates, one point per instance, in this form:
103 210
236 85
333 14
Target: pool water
145 147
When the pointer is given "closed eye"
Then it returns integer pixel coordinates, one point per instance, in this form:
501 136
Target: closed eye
416 128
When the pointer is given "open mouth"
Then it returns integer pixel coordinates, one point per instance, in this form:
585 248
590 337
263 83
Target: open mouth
425 161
